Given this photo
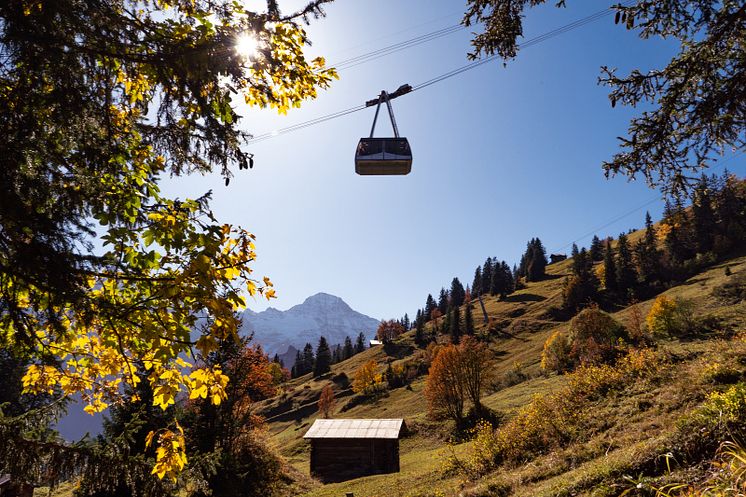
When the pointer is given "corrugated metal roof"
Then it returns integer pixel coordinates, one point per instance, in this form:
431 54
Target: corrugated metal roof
355 428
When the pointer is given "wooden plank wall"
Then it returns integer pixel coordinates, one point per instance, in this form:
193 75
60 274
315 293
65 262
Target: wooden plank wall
341 458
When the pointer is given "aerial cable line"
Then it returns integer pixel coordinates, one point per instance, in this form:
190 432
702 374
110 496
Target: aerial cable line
397 47
405 30
533 41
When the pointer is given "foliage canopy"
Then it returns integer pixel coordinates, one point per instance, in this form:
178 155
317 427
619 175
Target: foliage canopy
100 101
698 106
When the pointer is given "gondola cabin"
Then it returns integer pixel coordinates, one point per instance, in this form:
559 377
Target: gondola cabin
383 156
342 449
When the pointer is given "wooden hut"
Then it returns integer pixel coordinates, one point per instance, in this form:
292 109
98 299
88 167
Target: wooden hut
348 448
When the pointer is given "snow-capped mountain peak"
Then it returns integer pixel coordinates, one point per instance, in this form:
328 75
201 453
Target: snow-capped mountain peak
320 314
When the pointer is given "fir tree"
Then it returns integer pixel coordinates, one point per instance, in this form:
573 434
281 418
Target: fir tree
360 343
730 213
419 331
323 358
476 285
582 287
458 294
646 253
308 359
675 241
430 306
297 368
576 261
348 350
703 216
497 280
534 261
468 320
454 325
610 274
625 269
486 276
596 251
443 301
405 322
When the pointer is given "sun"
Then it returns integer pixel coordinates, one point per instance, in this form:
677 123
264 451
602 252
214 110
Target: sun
246 46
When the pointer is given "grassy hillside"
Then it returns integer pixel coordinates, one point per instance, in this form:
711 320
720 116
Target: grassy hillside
631 426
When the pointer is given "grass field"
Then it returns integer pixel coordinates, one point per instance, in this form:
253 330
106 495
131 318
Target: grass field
636 423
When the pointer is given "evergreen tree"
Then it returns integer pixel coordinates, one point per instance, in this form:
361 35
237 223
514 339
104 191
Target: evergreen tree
497 281
582 287
335 351
405 322
476 286
730 213
535 269
675 241
458 294
297 368
323 358
521 270
276 359
419 331
308 359
468 320
597 249
348 350
703 216
534 261
360 343
625 269
610 274
430 306
576 261
646 253
509 283
443 301
486 276
454 325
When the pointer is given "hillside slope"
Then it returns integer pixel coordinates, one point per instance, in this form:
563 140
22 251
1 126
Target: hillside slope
632 425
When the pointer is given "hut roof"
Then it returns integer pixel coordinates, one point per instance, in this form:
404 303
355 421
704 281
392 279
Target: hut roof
355 428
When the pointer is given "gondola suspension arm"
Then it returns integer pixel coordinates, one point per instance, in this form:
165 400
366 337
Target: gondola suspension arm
387 97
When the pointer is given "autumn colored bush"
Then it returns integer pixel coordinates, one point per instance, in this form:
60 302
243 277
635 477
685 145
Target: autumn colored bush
457 375
593 337
671 317
557 419
389 330
444 389
395 375
326 401
367 380
556 353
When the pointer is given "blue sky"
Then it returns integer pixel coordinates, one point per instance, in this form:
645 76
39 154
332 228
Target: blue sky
501 154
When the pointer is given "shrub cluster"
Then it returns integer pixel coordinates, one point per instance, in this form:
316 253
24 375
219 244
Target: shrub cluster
671 317
557 419
594 337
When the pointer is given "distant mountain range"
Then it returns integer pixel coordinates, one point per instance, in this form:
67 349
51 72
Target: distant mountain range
320 314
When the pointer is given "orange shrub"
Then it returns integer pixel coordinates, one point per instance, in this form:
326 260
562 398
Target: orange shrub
556 353
367 381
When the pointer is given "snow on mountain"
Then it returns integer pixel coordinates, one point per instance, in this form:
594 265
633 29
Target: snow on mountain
320 314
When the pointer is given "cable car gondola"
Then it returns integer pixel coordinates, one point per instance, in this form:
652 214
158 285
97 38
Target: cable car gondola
384 156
